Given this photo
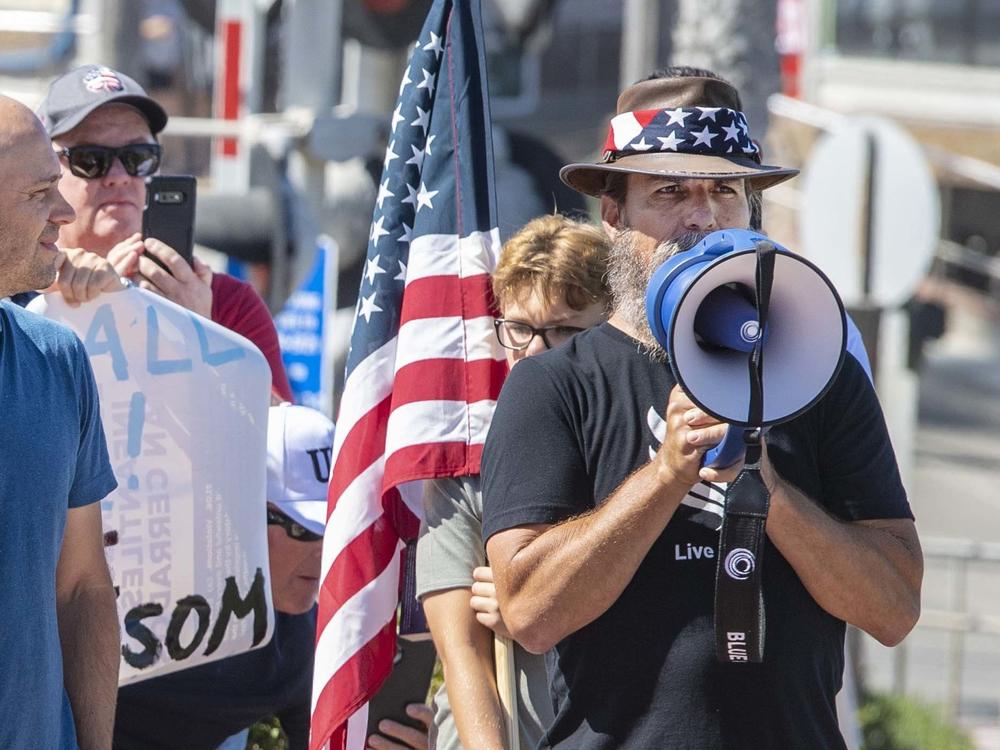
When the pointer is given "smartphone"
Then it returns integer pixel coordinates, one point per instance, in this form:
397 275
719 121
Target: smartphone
169 213
408 683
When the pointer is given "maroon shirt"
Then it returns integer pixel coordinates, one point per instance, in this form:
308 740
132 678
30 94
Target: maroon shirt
238 307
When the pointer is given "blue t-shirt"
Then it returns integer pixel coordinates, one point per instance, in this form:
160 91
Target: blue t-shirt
54 457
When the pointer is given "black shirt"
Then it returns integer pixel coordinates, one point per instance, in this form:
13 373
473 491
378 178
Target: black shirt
198 708
570 426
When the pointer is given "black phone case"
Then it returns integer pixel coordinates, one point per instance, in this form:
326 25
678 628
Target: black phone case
408 683
169 213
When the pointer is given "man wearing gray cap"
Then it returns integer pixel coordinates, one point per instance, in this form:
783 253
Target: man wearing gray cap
606 557
104 128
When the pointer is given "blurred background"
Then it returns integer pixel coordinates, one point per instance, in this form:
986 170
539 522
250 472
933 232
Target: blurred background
890 107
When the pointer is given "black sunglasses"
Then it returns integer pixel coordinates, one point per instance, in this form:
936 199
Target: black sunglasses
513 334
93 162
294 529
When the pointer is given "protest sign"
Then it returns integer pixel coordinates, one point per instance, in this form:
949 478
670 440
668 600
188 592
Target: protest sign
304 331
184 407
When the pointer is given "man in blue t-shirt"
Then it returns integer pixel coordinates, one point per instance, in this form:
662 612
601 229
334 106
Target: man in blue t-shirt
59 643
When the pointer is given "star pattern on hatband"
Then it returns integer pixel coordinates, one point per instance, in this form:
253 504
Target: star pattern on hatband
704 136
666 131
671 141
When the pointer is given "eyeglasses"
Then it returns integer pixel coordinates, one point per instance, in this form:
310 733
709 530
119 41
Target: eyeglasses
294 529
93 162
513 334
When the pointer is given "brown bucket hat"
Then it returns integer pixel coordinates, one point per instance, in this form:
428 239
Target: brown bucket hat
684 127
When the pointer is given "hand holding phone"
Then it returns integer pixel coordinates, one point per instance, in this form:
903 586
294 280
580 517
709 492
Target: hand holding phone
395 736
187 286
408 683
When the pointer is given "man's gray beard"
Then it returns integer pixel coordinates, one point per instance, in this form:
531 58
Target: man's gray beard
628 277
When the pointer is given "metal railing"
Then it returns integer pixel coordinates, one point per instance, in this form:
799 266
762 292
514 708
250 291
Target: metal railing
61 26
973 268
957 555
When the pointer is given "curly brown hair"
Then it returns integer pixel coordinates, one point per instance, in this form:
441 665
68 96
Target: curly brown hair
554 255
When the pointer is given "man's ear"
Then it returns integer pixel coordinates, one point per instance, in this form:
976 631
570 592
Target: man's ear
610 216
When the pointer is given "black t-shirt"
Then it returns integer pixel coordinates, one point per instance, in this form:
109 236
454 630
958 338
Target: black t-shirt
198 708
570 426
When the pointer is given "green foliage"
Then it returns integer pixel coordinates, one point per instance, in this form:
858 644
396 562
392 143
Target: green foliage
267 735
436 679
899 722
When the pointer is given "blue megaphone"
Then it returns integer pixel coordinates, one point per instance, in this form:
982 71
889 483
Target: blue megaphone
701 308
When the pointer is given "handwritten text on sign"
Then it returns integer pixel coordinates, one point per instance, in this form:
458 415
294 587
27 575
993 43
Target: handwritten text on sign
184 407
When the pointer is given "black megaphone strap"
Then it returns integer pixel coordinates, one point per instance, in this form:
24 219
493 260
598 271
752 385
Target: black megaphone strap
739 595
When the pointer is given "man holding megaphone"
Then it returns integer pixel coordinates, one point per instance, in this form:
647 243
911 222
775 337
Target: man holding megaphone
601 519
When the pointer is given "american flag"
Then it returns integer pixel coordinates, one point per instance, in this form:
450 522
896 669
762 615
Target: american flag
423 371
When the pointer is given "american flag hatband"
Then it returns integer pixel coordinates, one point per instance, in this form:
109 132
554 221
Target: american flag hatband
679 127
691 130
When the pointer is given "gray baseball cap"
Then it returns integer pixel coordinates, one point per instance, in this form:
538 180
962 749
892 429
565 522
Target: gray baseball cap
74 95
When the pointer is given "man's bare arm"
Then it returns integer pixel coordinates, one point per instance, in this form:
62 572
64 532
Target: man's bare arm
88 628
867 573
553 580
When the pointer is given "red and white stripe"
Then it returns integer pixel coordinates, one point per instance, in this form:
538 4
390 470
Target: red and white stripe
417 408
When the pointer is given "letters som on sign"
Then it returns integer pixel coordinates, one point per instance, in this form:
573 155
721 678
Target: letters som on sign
254 603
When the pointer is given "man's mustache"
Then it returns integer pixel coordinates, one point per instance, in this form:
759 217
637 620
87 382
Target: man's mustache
679 244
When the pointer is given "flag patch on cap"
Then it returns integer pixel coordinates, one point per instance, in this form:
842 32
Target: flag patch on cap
102 79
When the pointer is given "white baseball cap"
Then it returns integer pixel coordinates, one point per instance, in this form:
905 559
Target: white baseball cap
299 454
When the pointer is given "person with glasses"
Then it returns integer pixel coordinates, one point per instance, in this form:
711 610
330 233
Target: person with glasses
549 285
104 131
199 708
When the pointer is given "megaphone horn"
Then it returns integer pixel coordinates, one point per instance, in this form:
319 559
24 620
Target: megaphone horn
701 309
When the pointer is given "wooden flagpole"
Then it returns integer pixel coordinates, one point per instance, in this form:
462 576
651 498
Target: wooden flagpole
503 652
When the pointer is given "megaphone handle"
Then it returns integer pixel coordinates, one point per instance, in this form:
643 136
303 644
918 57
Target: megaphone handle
727 452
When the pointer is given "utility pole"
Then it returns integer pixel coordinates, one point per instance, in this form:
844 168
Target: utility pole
640 36
115 42
734 38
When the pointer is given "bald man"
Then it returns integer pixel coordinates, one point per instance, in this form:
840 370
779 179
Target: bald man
59 640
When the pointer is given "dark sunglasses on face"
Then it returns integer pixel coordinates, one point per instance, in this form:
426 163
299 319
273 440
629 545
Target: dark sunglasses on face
293 529
93 162
513 334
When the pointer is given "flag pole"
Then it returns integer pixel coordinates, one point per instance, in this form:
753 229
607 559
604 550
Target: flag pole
503 653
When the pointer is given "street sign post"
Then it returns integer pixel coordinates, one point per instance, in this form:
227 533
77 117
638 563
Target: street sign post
871 213
871 219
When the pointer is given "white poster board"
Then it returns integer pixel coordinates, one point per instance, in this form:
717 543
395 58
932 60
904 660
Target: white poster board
184 406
